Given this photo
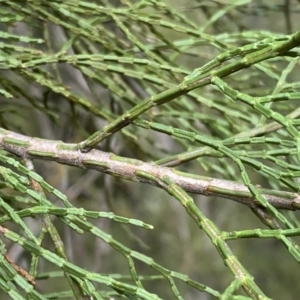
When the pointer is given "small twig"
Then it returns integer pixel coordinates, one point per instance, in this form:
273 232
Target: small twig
132 169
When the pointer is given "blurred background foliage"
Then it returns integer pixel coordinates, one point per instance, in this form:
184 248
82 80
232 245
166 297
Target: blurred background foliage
54 86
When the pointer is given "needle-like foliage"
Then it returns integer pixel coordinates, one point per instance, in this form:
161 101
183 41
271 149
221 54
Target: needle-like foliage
181 122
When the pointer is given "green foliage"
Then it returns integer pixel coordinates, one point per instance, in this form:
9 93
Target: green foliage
127 91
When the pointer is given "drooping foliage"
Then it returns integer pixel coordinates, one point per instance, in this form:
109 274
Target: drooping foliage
166 111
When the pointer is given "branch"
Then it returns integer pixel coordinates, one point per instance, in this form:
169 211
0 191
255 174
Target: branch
139 171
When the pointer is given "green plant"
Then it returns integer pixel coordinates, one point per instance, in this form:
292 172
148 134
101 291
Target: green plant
146 92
